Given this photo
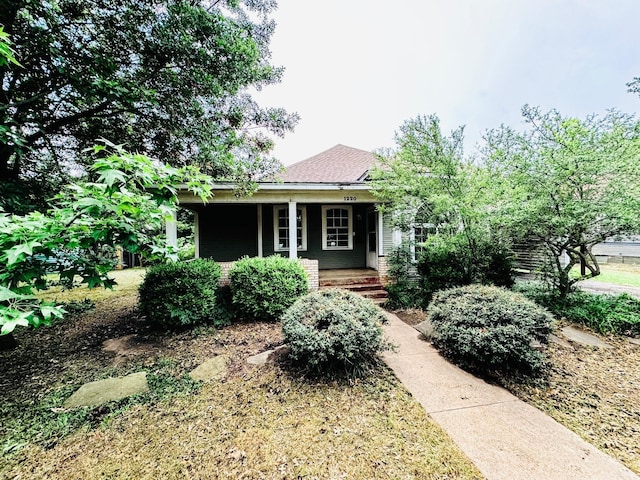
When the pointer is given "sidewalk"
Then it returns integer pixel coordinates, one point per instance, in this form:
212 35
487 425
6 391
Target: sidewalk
505 437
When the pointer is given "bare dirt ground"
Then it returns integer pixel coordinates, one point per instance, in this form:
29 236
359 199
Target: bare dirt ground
593 391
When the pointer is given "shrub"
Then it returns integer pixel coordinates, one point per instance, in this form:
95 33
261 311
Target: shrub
404 290
619 314
263 288
448 262
494 264
490 329
333 330
444 263
181 293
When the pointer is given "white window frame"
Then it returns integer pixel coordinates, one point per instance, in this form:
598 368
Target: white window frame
276 229
412 236
325 209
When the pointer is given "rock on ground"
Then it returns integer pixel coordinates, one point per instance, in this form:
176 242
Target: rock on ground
583 338
103 391
212 369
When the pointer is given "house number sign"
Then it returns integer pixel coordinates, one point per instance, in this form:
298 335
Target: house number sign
350 199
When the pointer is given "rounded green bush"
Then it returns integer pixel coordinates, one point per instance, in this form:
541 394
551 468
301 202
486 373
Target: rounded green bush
263 288
490 329
180 293
332 330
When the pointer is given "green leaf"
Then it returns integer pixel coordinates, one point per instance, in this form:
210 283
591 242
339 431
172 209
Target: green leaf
49 311
10 325
111 176
15 253
7 294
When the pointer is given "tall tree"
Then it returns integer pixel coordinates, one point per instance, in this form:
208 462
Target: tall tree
428 172
168 78
127 202
568 184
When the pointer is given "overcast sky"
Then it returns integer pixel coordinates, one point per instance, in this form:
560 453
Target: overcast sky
357 69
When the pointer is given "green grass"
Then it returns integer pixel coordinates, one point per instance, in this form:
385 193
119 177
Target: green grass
616 273
127 281
618 314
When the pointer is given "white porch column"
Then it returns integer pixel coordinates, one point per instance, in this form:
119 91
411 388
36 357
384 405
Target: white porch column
171 228
380 234
259 230
293 230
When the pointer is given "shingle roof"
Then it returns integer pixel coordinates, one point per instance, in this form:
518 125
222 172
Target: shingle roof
339 164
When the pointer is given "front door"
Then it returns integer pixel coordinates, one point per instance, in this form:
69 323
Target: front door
372 238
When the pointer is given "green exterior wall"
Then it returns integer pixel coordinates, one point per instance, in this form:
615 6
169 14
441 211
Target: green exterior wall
228 232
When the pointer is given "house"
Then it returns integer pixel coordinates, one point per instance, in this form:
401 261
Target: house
337 225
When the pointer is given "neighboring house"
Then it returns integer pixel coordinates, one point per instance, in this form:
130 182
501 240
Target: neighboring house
337 225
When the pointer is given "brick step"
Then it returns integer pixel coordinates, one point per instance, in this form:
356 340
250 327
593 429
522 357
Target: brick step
374 292
357 287
345 281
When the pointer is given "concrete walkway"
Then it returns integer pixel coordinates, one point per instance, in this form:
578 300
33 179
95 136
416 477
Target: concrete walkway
505 437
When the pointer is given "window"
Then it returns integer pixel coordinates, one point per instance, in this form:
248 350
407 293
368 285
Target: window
419 234
281 228
337 228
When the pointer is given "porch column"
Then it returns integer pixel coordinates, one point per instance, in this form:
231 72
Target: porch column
259 230
293 230
380 234
171 228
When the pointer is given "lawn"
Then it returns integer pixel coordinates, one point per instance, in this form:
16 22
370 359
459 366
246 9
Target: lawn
616 273
257 422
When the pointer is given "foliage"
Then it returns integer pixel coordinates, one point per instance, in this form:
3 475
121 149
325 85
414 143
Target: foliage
6 52
169 79
449 262
489 329
128 200
333 330
180 293
24 310
568 184
78 307
427 182
444 264
619 314
263 288
404 289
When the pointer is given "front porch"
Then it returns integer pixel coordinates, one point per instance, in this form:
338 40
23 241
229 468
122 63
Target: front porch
337 235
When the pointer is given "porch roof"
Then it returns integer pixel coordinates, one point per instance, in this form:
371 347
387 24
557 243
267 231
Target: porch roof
357 192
